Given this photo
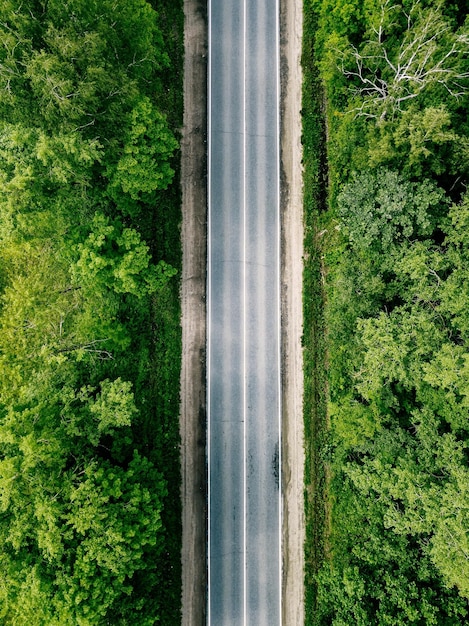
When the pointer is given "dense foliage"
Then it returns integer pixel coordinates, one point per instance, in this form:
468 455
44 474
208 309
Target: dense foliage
86 152
396 253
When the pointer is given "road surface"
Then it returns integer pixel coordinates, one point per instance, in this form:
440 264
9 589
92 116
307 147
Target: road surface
243 340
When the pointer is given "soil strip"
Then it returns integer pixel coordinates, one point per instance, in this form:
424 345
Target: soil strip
291 20
194 244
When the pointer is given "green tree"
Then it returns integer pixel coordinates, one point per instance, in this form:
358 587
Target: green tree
72 64
386 74
82 141
380 210
418 142
115 258
114 518
143 168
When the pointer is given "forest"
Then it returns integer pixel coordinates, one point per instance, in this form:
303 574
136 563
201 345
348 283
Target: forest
90 107
387 85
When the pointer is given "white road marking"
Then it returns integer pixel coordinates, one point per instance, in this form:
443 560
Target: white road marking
209 308
279 311
245 564
279 316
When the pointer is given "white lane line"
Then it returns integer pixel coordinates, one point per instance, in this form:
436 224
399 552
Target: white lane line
209 303
245 608
279 330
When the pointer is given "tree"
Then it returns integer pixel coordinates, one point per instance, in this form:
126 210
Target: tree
386 74
381 210
82 142
424 494
93 413
78 538
115 258
77 65
143 168
419 141
376 575
114 517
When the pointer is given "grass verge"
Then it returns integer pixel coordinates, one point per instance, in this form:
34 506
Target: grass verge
160 431
315 415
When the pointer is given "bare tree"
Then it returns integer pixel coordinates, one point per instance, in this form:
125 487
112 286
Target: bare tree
385 75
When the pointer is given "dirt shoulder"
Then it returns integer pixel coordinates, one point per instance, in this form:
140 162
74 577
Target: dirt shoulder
291 21
194 244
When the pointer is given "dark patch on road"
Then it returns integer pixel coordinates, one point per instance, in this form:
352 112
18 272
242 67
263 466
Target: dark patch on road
276 465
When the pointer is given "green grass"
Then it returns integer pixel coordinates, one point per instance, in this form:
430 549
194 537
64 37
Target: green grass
160 428
315 418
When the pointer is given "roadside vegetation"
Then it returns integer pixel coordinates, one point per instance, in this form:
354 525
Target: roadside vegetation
314 399
90 100
391 247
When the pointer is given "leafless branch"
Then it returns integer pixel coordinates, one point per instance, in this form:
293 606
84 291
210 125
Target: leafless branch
385 80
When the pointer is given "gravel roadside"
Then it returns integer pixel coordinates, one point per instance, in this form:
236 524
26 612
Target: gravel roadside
291 22
193 233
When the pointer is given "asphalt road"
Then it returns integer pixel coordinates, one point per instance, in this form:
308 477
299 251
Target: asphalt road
243 342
